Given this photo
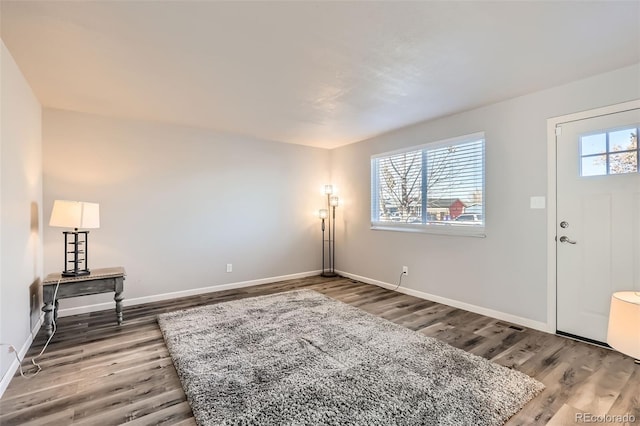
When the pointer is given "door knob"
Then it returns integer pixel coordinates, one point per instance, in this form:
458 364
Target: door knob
565 239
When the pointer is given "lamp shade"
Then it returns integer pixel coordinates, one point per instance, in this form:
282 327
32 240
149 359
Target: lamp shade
334 201
75 214
328 189
322 213
624 323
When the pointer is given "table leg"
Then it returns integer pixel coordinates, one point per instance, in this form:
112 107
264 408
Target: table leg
119 298
48 318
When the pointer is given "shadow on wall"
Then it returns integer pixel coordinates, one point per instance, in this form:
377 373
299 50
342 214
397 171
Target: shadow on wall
35 234
35 218
35 298
35 302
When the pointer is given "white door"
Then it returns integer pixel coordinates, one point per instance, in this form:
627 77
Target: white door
598 215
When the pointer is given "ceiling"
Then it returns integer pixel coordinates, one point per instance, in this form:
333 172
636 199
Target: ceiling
322 73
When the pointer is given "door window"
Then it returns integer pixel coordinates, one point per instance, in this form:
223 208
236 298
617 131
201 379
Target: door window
609 152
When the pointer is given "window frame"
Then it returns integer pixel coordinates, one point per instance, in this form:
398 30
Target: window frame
437 228
608 152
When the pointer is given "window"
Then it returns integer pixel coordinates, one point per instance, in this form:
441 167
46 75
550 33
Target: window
438 187
609 152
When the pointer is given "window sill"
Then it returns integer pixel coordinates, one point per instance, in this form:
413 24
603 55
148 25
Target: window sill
435 229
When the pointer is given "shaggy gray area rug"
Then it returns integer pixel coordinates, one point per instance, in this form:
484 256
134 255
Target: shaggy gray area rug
301 358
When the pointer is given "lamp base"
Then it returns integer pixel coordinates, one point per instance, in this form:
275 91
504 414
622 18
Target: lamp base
328 274
76 273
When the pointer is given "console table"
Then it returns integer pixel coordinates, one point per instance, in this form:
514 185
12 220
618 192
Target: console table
103 280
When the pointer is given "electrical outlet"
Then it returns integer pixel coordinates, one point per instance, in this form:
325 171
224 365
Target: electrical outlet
405 270
229 267
9 346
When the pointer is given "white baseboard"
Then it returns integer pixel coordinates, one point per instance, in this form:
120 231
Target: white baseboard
6 379
176 294
525 322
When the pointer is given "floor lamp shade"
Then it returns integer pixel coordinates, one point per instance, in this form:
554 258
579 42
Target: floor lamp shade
75 214
624 323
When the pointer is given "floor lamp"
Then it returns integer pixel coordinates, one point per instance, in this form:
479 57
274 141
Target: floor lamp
332 203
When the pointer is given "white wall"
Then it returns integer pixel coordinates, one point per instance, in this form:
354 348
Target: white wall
506 271
20 213
177 204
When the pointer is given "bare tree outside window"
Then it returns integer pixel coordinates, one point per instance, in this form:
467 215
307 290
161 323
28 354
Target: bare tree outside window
401 179
625 158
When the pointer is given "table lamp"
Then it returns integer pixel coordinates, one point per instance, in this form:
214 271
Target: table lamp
75 215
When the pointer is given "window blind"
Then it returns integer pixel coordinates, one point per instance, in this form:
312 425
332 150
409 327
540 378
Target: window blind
436 184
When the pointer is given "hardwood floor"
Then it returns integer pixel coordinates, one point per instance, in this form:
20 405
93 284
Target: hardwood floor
96 372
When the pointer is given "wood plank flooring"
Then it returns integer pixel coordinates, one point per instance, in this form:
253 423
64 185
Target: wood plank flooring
98 373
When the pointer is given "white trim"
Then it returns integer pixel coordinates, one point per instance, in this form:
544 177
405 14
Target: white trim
552 123
6 379
551 226
525 322
448 229
176 294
